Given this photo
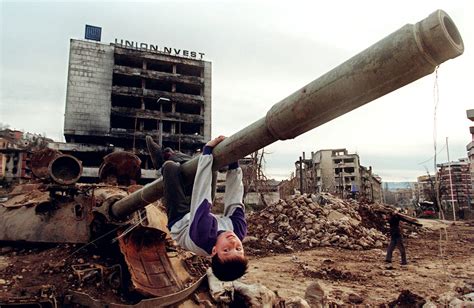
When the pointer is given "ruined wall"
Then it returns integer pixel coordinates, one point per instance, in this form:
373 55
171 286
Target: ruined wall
89 84
327 171
207 100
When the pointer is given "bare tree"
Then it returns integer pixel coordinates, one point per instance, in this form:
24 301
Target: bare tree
254 177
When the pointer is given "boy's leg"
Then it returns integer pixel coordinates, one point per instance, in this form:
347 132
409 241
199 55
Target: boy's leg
177 202
155 152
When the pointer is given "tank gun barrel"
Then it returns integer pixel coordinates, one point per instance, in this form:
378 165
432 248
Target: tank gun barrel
402 57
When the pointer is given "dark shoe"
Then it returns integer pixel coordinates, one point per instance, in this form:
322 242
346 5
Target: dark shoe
404 263
155 152
179 157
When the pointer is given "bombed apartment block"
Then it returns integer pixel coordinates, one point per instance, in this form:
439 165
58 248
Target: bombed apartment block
118 94
339 172
470 153
16 148
455 185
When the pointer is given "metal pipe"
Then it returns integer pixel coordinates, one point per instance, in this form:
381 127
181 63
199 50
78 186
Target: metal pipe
160 124
451 182
65 169
402 57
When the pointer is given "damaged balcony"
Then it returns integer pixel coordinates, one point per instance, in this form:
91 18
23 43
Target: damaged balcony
155 94
161 62
184 129
149 73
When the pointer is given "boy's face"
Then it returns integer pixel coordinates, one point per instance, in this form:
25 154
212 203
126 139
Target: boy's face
228 246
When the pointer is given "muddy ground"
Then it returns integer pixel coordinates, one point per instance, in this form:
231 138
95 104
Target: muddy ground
438 269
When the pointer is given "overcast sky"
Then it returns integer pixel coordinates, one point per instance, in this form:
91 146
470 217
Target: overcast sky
261 52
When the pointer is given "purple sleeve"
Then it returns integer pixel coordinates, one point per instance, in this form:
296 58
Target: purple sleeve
207 150
203 228
239 223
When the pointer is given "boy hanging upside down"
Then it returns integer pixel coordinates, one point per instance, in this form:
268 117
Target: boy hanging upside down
191 222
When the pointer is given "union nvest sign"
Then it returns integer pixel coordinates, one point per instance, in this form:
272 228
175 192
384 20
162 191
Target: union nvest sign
156 48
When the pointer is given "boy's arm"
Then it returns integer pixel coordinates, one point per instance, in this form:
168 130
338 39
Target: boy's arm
202 224
233 203
202 181
202 186
234 189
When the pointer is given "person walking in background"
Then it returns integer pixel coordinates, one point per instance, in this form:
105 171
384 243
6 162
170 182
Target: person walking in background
396 238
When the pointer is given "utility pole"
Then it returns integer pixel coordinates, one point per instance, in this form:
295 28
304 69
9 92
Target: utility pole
341 178
305 173
301 175
343 181
451 181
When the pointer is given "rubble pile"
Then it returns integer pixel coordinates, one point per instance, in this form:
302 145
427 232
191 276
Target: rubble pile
53 270
307 221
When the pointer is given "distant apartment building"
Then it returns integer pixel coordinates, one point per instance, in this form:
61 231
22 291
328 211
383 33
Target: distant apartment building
470 154
118 94
371 185
338 172
403 197
425 188
455 184
15 153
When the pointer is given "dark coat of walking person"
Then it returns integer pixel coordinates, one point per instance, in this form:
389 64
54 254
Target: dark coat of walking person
396 237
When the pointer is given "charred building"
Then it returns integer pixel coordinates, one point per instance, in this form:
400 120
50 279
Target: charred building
338 172
455 184
118 94
470 154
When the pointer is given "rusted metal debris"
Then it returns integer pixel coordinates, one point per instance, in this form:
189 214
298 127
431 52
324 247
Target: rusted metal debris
95 272
51 164
120 168
65 169
47 220
44 296
150 268
40 162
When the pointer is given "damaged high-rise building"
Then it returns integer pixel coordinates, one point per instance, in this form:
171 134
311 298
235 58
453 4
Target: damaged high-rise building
470 154
116 95
339 172
455 184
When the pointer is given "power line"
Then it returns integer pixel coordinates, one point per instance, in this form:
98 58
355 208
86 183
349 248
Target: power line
429 159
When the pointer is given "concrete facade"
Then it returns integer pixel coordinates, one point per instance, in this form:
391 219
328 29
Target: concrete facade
207 94
16 148
14 163
89 86
455 184
470 154
425 188
338 172
117 95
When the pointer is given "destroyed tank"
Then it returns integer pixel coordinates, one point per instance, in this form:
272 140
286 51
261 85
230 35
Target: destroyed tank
107 244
